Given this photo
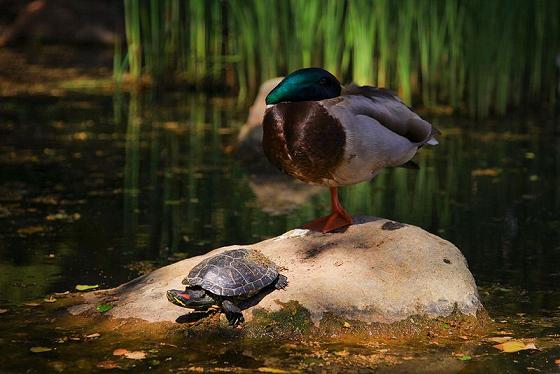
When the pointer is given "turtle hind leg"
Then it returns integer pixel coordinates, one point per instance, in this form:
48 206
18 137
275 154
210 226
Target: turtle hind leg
233 313
281 282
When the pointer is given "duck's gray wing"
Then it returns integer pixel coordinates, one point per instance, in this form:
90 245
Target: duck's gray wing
390 111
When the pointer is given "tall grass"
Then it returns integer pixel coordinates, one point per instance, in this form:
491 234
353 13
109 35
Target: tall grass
478 56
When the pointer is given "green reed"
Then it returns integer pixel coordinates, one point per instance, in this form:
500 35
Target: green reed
476 56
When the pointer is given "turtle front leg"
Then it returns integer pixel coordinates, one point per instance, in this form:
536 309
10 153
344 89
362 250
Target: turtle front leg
233 313
281 282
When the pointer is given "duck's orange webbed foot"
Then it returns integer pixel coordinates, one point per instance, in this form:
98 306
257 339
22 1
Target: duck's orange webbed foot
338 219
329 223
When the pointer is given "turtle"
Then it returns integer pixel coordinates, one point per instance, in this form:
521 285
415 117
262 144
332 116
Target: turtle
225 280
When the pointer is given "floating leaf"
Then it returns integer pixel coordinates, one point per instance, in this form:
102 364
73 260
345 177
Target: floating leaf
504 332
49 299
346 325
271 370
62 293
120 352
40 349
31 304
135 355
104 308
465 358
514 346
93 336
86 287
2 311
31 230
500 339
107 365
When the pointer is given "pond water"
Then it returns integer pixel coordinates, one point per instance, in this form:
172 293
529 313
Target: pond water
98 189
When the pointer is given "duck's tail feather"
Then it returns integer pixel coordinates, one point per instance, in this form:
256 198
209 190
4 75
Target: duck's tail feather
432 140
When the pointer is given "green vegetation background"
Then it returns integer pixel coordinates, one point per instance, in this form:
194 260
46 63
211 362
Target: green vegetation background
476 56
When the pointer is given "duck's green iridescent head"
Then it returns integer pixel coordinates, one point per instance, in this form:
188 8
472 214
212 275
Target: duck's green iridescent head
309 84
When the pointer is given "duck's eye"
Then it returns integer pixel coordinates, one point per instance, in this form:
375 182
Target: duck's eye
323 81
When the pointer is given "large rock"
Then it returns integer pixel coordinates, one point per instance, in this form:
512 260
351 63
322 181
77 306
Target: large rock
375 271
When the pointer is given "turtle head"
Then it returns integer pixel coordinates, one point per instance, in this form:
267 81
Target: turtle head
309 84
196 299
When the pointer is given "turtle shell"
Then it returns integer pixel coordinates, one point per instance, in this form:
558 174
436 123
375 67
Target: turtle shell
237 272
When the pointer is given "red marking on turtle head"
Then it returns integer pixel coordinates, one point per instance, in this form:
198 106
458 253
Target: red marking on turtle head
185 295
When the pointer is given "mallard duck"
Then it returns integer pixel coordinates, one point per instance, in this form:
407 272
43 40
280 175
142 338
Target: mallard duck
322 133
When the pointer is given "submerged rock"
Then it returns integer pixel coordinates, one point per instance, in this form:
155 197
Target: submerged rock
375 271
250 135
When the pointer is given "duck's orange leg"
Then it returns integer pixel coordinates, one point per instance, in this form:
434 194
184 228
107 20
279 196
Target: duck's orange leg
339 217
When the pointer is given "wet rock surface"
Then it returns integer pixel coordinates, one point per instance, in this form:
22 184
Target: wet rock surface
376 271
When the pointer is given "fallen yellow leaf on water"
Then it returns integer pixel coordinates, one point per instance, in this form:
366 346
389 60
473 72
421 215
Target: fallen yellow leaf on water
40 349
515 346
49 299
271 370
31 304
120 352
500 339
135 355
346 325
504 332
93 336
30 230
86 287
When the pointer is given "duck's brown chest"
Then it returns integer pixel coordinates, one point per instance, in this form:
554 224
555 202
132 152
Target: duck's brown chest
303 140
